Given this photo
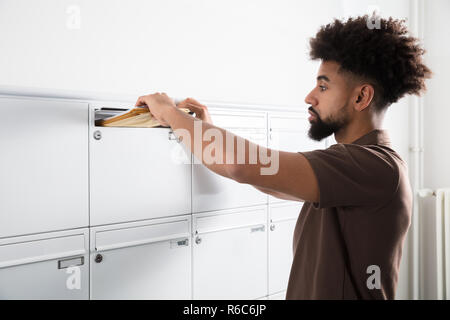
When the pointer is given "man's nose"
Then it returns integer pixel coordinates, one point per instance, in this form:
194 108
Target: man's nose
309 99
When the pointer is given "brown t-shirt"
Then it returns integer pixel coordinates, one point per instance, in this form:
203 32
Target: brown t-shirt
358 225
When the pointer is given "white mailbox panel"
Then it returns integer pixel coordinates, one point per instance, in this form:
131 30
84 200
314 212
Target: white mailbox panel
213 192
144 260
45 266
282 221
43 166
137 174
230 254
289 132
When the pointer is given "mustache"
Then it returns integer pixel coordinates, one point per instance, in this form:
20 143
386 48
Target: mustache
314 111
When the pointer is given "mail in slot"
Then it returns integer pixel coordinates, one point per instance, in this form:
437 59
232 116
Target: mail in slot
138 117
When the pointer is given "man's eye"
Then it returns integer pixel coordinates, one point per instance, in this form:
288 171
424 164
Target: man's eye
322 88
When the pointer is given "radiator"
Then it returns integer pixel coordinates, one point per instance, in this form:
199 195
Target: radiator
442 219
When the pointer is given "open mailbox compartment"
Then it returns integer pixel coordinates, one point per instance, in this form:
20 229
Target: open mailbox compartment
134 117
136 173
101 113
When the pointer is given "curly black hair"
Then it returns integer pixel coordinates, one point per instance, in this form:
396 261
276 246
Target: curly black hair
386 57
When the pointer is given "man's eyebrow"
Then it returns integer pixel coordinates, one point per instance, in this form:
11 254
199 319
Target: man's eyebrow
322 77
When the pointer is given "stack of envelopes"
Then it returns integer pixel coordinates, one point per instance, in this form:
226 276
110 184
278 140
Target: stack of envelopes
139 117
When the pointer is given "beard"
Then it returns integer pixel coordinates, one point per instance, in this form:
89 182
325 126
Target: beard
321 129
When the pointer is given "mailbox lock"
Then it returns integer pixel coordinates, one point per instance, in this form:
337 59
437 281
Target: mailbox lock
172 136
98 258
198 240
97 135
272 227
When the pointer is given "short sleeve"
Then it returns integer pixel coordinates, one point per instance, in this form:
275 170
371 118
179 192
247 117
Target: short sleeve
353 175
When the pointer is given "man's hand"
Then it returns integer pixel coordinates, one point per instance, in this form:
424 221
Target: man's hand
200 110
159 105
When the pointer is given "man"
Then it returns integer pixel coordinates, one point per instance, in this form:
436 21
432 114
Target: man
349 236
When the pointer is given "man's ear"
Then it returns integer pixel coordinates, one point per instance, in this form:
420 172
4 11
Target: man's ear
364 97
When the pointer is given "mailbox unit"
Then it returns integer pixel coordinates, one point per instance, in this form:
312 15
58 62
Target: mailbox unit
91 212
213 192
136 174
282 220
46 266
143 260
43 165
230 254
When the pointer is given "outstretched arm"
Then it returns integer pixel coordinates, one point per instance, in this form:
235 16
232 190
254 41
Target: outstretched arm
286 173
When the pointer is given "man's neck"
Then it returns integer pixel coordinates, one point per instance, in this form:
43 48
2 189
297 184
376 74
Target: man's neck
354 131
362 124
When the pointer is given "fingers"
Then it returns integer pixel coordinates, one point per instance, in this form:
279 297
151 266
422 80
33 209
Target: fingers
193 108
195 102
156 100
142 99
201 111
140 102
192 101
192 104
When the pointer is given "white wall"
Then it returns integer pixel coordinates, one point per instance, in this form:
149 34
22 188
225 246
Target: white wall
436 139
249 51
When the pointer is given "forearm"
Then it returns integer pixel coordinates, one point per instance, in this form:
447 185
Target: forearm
191 131
278 195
